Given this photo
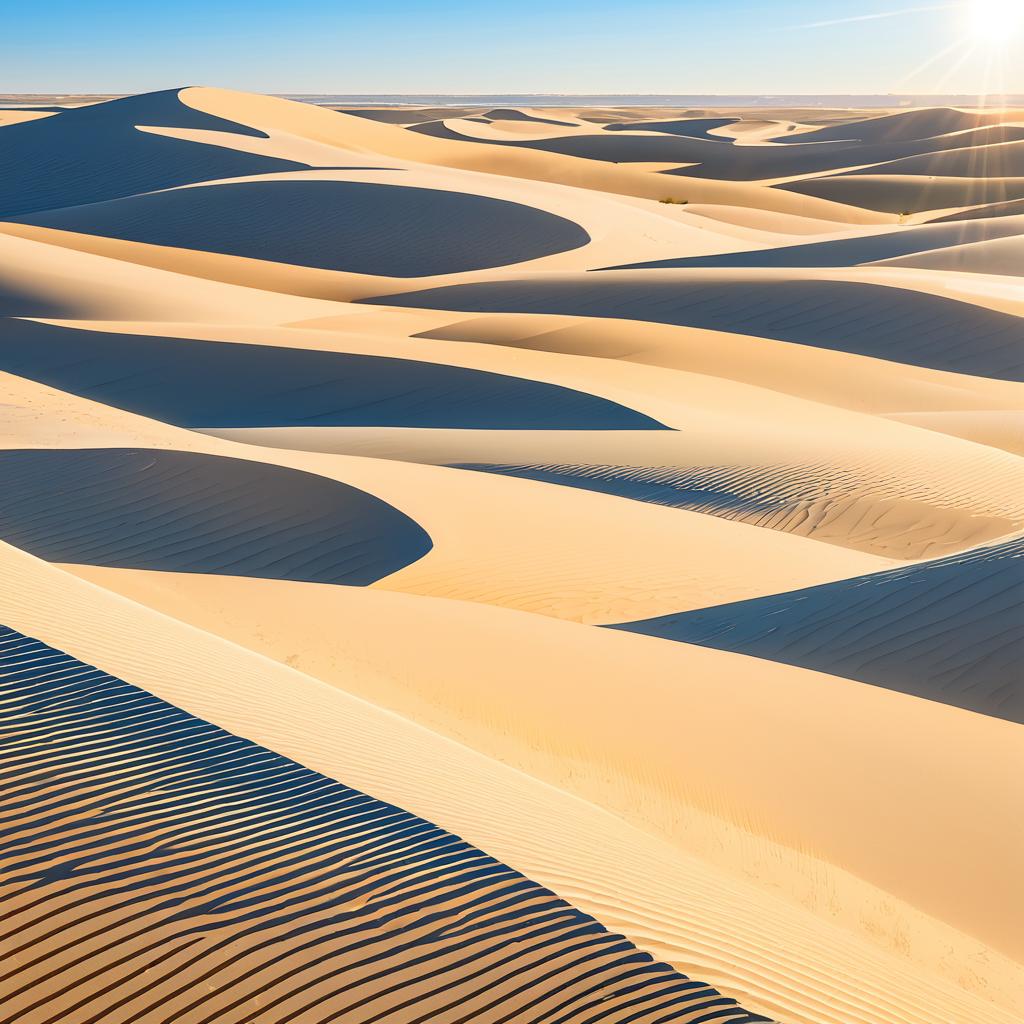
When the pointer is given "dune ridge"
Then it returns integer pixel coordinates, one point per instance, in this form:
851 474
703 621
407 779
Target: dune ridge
328 438
668 899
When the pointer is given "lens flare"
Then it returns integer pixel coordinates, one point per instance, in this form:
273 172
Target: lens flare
994 22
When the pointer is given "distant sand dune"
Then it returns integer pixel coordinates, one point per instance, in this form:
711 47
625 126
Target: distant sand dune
886 323
393 231
717 157
692 128
907 124
1011 208
206 384
840 379
987 160
94 153
910 193
948 630
185 512
993 255
848 252
503 161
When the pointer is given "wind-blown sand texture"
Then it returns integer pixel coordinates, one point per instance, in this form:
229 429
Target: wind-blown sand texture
329 442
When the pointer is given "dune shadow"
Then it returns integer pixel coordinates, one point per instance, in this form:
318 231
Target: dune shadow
237 873
96 153
949 630
177 511
848 252
871 320
226 384
353 226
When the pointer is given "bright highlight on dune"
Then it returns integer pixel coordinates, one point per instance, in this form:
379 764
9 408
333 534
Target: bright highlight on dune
488 562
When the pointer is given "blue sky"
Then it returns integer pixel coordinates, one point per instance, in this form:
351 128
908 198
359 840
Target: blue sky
335 46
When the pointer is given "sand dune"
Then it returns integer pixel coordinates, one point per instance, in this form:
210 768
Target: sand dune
907 124
992 255
365 906
683 907
675 690
834 378
327 441
927 495
183 381
393 231
506 114
716 157
512 543
909 193
984 160
996 428
40 278
1009 208
94 153
195 513
848 252
885 323
692 128
273 117
946 630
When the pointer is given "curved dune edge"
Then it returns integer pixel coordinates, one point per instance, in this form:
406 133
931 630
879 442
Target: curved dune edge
833 378
181 380
396 229
997 428
999 256
8 117
157 508
273 115
87 283
868 313
678 908
948 630
840 493
201 877
825 851
500 541
676 768
880 487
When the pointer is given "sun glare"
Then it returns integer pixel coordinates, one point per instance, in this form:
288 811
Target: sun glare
993 22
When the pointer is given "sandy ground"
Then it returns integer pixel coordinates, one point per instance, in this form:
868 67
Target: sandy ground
821 850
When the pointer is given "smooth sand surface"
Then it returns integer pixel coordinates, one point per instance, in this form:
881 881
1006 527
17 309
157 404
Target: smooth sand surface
331 430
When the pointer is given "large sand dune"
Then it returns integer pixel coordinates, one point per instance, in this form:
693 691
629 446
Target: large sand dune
207 384
364 905
328 439
850 316
94 153
391 231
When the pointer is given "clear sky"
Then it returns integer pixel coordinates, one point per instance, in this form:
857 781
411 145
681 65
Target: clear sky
582 46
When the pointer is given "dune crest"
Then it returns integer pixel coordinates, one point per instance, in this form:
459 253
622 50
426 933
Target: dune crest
510 563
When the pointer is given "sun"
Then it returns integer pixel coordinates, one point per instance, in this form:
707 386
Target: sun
994 22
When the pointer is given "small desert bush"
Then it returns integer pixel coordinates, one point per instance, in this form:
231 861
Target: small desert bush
674 202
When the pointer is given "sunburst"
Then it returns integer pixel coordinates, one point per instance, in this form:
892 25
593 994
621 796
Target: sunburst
995 23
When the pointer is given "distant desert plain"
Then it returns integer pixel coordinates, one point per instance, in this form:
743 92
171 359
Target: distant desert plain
510 565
